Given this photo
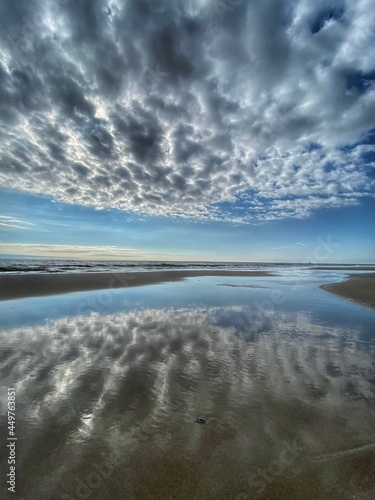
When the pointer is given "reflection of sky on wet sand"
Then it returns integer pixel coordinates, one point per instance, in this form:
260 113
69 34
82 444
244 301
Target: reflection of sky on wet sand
131 384
299 291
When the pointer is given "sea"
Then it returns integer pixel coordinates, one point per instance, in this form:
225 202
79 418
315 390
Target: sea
50 266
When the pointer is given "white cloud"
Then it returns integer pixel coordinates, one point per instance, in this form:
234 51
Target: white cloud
86 252
198 109
8 221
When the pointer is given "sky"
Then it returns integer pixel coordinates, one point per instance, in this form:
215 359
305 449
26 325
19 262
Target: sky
226 130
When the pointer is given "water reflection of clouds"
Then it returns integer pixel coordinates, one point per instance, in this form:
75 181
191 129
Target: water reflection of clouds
126 373
96 352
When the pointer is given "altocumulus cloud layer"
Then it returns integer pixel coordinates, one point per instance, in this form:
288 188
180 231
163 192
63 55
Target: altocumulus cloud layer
173 108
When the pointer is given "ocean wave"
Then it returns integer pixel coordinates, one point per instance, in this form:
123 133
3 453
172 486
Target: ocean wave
49 266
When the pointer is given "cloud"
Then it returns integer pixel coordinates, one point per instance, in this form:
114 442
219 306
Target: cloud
86 252
184 108
281 248
289 246
8 221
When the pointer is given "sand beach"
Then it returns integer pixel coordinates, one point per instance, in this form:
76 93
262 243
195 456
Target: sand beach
358 287
33 285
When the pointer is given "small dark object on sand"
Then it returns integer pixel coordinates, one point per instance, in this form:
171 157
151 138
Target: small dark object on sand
200 420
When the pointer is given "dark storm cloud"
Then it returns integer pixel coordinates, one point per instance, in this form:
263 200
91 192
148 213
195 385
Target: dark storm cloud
174 107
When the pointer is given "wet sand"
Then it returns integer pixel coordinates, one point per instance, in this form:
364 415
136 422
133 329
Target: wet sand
106 405
359 287
107 400
343 268
36 285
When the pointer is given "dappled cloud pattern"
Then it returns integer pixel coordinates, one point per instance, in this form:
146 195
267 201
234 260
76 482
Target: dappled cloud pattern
206 109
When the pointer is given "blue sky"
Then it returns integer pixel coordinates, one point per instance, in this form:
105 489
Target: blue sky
198 130
54 229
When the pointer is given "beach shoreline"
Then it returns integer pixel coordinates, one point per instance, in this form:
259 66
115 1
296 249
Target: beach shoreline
342 268
358 287
17 286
